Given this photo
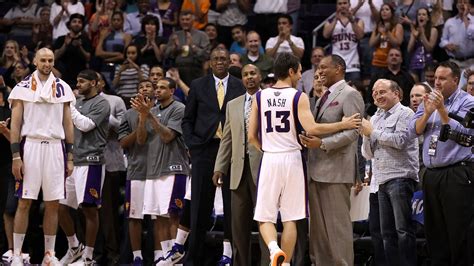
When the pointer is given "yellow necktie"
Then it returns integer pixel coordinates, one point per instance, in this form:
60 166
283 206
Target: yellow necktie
220 100
220 93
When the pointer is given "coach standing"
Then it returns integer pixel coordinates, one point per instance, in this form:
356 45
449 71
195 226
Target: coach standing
330 184
203 122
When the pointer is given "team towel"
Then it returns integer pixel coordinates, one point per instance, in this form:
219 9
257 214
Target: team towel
54 90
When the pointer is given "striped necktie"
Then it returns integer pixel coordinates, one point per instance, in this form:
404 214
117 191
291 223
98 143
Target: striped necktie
248 109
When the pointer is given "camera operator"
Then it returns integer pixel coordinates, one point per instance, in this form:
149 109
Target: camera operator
449 179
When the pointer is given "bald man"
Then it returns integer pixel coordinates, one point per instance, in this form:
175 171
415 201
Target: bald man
245 160
40 122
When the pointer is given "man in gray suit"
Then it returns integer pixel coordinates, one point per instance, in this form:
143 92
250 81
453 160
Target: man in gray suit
330 184
243 160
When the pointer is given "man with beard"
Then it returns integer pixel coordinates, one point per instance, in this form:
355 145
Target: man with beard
84 187
40 121
61 12
167 163
73 50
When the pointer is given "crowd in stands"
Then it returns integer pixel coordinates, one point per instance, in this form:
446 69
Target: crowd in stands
131 41
175 34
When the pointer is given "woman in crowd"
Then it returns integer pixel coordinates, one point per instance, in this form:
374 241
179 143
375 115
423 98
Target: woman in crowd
129 73
111 45
101 19
150 44
388 33
10 55
169 16
406 13
43 30
422 42
211 31
436 12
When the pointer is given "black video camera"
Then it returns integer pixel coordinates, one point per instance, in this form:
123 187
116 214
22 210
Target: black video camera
465 140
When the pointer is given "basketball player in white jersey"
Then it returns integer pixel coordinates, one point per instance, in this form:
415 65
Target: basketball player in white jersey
345 31
278 115
41 120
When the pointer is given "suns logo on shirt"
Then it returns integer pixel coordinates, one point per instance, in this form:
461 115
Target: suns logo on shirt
179 203
94 193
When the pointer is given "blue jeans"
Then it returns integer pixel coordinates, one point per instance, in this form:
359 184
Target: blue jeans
375 232
398 228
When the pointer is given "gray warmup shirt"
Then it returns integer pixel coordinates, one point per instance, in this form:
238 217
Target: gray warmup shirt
137 154
89 146
167 158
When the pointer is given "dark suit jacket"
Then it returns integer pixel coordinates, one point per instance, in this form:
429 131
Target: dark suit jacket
202 114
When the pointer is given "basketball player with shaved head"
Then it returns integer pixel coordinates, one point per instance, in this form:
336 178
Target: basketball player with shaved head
41 136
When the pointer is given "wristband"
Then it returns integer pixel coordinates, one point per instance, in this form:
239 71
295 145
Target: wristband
69 147
16 158
15 147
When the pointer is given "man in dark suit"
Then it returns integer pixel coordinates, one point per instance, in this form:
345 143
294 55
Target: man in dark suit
203 122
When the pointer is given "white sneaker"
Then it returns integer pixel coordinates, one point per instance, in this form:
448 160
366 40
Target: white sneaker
7 256
277 258
84 262
26 258
164 262
72 255
175 254
50 260
17 260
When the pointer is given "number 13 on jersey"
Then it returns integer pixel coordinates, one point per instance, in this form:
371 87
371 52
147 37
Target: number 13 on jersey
278 121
